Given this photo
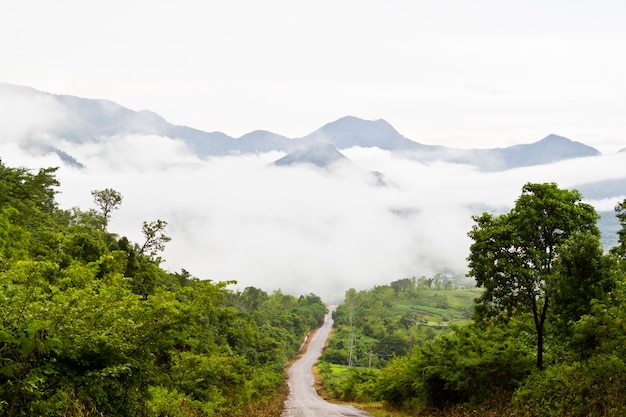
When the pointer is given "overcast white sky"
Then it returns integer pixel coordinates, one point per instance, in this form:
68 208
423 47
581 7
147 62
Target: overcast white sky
453 72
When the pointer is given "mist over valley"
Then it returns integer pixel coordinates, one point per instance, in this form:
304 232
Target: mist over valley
351 205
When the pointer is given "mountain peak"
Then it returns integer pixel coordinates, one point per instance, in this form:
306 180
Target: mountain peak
84 120
552 138
554 142
320 154
552 148
350 131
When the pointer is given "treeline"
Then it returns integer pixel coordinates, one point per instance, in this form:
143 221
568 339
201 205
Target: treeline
91 325
548 335
373 326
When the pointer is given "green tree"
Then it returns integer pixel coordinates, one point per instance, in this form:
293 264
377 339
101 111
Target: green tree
590 387
107 200
155 237
582 273
513 254
91 325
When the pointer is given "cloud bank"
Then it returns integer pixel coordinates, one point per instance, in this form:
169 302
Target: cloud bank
298 229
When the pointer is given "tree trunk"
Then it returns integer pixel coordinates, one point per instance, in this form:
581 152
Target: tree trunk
540 326
540 348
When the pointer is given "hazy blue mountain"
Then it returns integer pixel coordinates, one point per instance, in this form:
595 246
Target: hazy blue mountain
326 156
603 189
320 154
552 148
92 119
263 141
606 189
609 226
351 131
95 119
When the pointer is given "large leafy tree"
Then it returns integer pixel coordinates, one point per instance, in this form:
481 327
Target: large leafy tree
513 254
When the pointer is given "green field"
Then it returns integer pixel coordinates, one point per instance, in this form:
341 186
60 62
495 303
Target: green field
439 307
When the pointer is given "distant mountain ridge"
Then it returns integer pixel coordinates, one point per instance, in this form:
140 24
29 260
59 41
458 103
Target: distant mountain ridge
93 119
320 154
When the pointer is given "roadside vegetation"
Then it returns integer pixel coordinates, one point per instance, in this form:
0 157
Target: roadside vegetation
544 335
91 325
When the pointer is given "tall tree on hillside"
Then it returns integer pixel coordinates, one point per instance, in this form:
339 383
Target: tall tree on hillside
107 200
513 254
155 237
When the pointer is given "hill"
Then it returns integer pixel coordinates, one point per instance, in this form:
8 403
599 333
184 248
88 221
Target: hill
83 120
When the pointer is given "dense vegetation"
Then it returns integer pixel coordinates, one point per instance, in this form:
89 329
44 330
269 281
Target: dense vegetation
90 324
547 336
375 326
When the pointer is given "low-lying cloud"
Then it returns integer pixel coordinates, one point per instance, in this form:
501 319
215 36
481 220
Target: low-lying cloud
298 229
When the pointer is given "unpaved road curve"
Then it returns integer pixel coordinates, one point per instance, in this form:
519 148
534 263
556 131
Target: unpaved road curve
303 400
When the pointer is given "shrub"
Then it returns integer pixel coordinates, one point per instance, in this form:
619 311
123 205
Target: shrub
584 389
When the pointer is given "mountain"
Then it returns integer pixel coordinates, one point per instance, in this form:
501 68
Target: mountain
350 131
598 190
90 120
263 141
552 148
326 156
320 154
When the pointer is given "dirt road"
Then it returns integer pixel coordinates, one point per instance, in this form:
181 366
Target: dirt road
303 400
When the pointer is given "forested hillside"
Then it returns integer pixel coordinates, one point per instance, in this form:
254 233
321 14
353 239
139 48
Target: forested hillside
91 325
373 326
547 334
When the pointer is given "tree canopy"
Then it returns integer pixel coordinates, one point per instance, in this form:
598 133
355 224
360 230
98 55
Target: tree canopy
512 255
549 327
90 324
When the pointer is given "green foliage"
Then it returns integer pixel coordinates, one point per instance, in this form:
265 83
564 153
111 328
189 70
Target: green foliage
545 253
595 385
350 384
373 326
107 200
465 367
513 255
582 274
155 237
91 325
594 388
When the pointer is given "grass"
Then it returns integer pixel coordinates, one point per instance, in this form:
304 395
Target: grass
440 307
272 407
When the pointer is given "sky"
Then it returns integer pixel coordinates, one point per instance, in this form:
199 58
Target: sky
452 72
467 74
296 229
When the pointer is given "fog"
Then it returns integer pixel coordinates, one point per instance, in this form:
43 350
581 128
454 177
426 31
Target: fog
298 229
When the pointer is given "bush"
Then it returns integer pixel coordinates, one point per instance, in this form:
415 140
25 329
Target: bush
584 389
467 367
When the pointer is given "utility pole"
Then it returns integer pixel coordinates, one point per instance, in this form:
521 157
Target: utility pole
351 343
